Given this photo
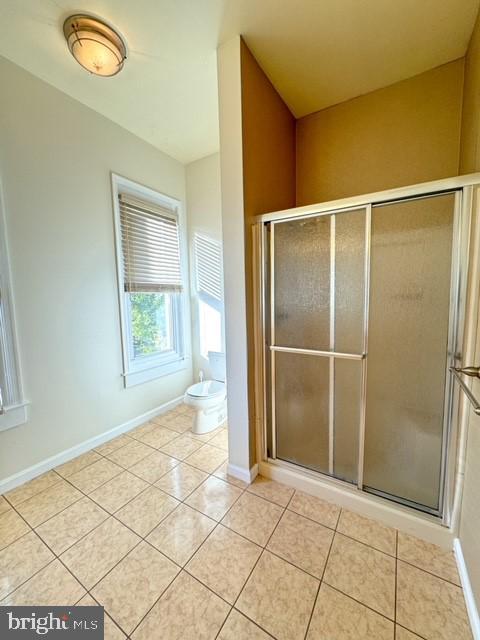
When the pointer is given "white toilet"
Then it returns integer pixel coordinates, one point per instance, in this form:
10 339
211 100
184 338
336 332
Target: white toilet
209 398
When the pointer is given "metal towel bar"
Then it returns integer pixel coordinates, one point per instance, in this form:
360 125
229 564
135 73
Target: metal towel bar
457 373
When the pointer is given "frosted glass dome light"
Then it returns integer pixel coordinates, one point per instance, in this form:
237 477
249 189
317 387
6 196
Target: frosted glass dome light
95 46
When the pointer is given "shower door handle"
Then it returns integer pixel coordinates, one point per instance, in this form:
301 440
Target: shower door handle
457 373
473 372
316 352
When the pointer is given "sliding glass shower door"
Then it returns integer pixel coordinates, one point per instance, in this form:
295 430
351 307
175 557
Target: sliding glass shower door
317 340
358 338
410 276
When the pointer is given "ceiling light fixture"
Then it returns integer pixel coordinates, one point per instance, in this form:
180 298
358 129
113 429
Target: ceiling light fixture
95 45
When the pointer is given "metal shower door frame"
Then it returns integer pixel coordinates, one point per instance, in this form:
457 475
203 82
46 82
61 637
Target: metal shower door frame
462 186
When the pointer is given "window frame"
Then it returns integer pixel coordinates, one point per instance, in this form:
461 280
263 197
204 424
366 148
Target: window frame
139 370
17 413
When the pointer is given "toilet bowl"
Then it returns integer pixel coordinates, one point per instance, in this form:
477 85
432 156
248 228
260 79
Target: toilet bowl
209 397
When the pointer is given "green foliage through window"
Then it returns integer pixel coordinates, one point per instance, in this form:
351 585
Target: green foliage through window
151 326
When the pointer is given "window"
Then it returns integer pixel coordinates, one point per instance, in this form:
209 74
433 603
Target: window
150 273
13 408
208 269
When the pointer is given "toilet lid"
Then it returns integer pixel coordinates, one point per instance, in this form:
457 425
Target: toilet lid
206 388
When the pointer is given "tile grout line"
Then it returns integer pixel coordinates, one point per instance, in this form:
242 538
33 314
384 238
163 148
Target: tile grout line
335 528
77 579
106 457
5 495
209 474
113 515
116 565
365 544
264 548
244 490
82 538
104 612
57 556
266 543
233 608
414 633
88 495
323 574
109 514
217 522
136 545
313 576
369 546
182 568
84 495
20 536
434 575
142 539
381 615
348 595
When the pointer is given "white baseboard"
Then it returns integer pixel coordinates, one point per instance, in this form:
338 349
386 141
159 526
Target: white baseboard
247 475
64 456
470 603
421 526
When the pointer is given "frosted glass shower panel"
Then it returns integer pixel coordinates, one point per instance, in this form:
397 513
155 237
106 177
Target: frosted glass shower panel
302 283
346 418
349 290
411 251
301 409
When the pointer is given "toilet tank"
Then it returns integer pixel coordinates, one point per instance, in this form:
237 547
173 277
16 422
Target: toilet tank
217 365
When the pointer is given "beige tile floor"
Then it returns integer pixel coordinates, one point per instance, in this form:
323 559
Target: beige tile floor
152 527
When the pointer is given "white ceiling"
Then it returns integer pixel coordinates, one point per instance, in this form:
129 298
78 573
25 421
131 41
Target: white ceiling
316 52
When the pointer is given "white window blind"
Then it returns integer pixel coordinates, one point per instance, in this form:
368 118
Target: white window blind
208 266
150 246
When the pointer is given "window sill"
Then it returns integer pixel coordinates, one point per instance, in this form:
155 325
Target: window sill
14 416
132 378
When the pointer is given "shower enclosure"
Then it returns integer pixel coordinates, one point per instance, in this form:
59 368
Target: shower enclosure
361 317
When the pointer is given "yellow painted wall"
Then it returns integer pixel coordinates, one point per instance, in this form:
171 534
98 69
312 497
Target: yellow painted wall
403 134
470 147
268 142
268 129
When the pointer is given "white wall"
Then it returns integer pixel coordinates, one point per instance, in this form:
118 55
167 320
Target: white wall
233 231
204 207
55 161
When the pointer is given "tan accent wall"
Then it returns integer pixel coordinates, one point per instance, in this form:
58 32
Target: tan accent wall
403 134
268 173
470 162
469 146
